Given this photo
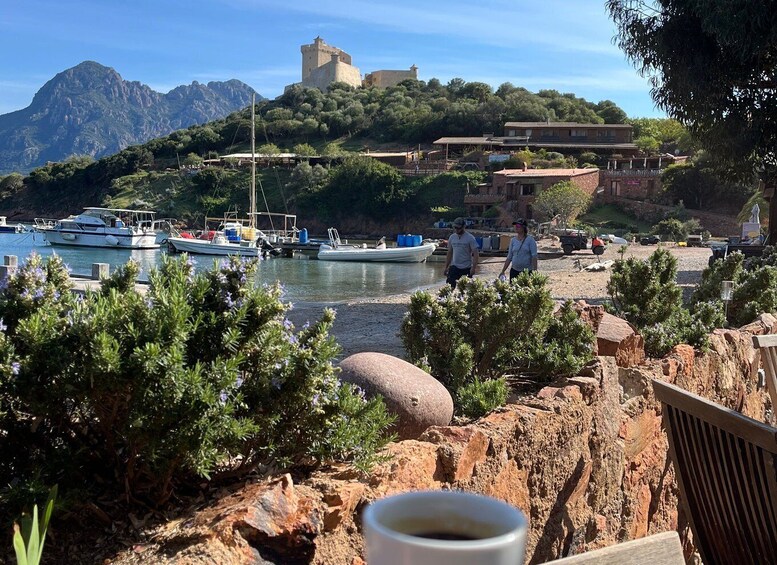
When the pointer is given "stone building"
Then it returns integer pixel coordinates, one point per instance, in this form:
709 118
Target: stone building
517 189
385 79
324 64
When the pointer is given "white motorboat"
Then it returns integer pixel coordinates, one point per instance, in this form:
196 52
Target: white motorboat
104 227
218 245
5 227
335 250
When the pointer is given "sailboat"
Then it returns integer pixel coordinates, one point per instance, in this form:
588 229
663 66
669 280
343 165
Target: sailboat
234 236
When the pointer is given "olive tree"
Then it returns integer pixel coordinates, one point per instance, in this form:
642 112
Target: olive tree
564 199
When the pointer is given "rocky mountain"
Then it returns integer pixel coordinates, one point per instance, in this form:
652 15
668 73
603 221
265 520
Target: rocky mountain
90 110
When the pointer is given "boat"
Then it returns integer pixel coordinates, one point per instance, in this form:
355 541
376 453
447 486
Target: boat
118 228
6 228
232 235
335 250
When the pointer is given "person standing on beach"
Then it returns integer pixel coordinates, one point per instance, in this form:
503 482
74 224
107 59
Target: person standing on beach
462 258
522 253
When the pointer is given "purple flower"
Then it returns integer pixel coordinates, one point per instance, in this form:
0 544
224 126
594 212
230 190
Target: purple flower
4 283
15 367
38 293
239 382
276 383
359 391
315 399
3 327
287 324
293 339
223 397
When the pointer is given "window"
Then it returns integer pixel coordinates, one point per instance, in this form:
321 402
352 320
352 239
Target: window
527 190
578 133
615 188
511 133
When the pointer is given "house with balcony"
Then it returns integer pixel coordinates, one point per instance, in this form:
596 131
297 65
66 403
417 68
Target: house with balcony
637 178
514 190
563 137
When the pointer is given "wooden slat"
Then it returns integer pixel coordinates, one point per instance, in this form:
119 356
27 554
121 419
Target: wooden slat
726 468
658 549
765 340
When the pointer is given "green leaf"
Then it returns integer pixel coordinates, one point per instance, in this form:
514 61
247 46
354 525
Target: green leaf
18 546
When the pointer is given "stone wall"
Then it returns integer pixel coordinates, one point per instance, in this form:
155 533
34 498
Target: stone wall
585 459
718 225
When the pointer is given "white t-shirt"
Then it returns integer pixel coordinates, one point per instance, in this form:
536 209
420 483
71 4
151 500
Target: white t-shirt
462 245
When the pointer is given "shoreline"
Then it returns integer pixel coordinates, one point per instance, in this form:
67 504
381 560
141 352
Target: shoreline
373 323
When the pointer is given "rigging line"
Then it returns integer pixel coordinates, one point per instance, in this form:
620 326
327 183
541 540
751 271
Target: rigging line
266 206
280 186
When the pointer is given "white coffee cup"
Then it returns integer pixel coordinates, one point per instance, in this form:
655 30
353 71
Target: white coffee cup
407 529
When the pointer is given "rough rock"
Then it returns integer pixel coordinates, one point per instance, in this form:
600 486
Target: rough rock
615 337
586 462
414 396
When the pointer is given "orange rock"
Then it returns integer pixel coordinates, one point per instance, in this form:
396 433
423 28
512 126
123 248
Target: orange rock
341 504
461 448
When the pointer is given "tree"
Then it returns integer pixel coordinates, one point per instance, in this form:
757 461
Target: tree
304 150
712 66
565 199
268 149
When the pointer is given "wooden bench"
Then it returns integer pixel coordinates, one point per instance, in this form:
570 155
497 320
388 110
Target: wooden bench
726 468
659 549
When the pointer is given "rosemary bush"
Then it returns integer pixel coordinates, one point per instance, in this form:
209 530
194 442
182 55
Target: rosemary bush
646 294
484 330
200 377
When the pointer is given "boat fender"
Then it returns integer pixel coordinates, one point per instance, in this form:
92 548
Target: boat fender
111 240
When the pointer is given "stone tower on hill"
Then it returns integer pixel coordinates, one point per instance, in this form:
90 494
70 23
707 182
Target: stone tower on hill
324 64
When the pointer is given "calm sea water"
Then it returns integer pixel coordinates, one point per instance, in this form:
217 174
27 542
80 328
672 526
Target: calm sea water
304 280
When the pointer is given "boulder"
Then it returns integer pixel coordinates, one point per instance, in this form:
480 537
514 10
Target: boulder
416 398
615 337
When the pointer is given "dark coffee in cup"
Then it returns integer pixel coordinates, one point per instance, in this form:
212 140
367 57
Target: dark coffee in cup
445 536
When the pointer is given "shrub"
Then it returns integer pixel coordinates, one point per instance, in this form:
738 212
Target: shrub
671 229
202 376
645 293
485 330
755 285
478 398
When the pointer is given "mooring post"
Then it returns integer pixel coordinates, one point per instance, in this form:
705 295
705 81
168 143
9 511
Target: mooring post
100 271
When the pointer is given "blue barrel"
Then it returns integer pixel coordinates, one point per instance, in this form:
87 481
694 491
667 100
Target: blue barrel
479 241
303 235
417 240
486 243
232 234
400 240
495 242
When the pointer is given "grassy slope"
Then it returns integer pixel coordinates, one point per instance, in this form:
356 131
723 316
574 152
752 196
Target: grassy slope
609 217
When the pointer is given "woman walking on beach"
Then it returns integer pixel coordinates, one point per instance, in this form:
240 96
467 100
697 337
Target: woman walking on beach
522 253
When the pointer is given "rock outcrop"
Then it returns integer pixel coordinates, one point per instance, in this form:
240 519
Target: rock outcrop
586 460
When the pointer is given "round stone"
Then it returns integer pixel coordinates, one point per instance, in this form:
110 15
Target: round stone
416 398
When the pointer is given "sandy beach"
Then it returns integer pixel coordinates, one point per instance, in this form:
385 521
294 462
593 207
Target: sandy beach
373 324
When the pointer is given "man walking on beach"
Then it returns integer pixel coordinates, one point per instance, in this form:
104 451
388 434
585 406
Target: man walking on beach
462 258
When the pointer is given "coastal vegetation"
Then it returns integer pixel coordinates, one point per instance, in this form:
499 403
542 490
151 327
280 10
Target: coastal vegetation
485 331
200 379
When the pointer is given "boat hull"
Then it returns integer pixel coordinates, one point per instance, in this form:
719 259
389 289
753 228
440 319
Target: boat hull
416 254
107 238
205 247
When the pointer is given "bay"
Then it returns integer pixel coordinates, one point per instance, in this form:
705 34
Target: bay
304 280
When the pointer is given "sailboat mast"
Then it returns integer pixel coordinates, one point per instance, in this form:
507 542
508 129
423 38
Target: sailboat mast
252 196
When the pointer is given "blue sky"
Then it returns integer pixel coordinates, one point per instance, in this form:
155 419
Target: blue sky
560 44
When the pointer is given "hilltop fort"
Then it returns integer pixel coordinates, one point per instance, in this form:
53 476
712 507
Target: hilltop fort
323 64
